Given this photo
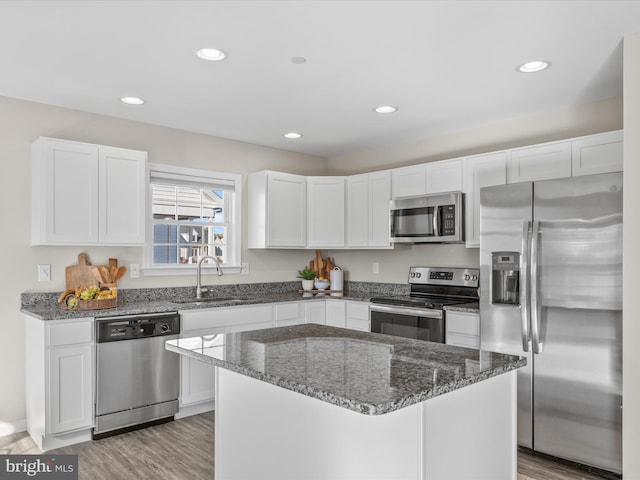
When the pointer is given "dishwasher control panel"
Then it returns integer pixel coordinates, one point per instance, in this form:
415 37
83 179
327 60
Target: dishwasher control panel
132 327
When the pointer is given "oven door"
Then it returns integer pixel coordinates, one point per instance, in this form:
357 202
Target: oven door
418 323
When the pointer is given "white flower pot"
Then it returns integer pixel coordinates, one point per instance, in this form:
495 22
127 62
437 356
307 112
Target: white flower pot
307 284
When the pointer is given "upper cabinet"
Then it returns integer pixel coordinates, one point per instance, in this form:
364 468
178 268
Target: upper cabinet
367 210
600 153
85 194
480 171
277 210
325 212
543 162
409 181
445 176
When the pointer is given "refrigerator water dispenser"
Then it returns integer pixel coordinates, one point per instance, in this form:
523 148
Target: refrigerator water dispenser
505 278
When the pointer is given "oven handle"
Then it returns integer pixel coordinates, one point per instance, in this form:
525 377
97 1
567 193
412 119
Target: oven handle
418 312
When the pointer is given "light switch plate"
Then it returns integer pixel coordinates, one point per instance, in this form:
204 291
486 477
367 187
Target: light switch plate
244 269
134 270
376 268
44 272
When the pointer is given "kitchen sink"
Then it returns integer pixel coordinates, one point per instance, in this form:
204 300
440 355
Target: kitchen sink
207 300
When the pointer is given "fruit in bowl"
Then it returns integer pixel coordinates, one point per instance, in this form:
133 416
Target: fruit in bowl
322 283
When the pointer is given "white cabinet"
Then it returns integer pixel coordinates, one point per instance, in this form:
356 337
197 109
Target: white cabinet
336 313
409 181
541 162
197 378
325 212
358 316
60 381
445 176
480 171
463 329
367 209
277 210
85 194
290 313
600 153
315 312
348 314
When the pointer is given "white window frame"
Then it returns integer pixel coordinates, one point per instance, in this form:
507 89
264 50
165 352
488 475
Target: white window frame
234 242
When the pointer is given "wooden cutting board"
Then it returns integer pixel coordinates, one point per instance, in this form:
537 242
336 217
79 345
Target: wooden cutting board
80 275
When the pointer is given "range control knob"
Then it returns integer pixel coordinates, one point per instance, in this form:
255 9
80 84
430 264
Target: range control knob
164 327
418 275
467 277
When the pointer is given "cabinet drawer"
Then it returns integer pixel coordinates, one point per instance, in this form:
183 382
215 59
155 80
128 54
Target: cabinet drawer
70 333
467 324
461 340
288 311
224 317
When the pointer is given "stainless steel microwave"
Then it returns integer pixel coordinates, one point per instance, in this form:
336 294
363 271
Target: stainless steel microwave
434 218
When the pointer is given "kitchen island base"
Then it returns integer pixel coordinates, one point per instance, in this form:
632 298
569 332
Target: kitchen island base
266 432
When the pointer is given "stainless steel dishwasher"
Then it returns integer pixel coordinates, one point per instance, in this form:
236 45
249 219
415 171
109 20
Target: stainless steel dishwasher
137 380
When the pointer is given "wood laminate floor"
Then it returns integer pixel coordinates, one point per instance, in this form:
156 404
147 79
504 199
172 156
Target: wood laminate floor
183 450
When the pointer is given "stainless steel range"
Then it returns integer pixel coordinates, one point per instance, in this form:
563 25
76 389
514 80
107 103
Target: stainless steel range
421 314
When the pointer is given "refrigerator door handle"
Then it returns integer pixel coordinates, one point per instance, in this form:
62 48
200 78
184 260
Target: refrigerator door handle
535 301
524 286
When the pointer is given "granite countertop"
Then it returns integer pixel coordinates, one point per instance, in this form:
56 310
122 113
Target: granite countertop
44 306
473 307
365 372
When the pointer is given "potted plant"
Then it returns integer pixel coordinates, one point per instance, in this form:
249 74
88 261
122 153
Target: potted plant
307 275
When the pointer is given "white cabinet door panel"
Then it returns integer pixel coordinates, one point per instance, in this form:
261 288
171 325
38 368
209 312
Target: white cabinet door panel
286 210
597 154
409 181
379 197
444 176
542 162
325 212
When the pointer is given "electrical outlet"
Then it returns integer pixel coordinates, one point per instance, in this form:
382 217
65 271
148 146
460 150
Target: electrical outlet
44 273
134 270
244 269
376 268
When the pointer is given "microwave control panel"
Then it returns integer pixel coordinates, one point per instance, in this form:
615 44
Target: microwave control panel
448 220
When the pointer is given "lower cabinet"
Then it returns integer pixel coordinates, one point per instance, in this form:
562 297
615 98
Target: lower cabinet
60 381
463 329
290 313
348 314
197 379
315 312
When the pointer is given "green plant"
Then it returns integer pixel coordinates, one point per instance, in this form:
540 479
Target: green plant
307 274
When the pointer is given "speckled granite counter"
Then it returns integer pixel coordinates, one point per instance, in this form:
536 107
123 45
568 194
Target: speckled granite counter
157 300
473 307
365 372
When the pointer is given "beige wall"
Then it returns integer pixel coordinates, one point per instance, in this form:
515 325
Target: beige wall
631 259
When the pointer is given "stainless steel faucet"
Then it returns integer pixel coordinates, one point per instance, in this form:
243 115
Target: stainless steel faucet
199 273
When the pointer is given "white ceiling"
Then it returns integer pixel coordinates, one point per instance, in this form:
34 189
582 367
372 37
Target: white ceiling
447 65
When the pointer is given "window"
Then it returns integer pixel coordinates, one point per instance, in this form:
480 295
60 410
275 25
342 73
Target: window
193 214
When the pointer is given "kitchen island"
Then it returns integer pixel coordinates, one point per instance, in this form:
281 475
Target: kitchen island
318 402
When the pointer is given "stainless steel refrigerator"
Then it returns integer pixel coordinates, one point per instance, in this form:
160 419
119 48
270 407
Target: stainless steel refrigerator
551 290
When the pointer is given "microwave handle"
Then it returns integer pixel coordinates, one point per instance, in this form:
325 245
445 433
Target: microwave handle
436 221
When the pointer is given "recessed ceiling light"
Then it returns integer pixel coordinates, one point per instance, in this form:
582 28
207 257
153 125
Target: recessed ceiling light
132 100
385 109
292 135
534 66
212 54
298 60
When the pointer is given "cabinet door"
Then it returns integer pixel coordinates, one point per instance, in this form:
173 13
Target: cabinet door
65 192
463 329
480 171
286 314
357 210
597 154
336 313
286 210
542 162
315 312
70 388
197 381
444 176
122 196
325 212
409 181
379 196
358 316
